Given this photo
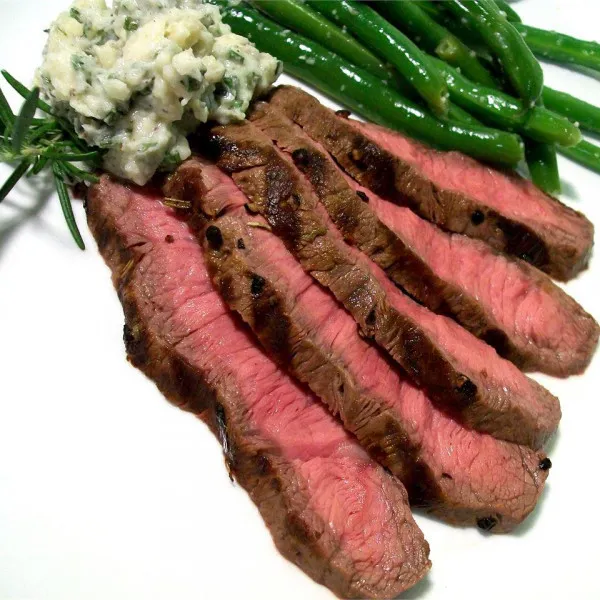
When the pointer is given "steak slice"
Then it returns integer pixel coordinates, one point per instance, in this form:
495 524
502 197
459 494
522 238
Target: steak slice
507 303
450 189
330 508
461 373
483 481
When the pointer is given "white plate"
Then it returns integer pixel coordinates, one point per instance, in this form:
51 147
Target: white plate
108 492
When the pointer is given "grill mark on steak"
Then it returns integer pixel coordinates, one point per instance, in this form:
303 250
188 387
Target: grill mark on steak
405 247
392 419
465 376
294 460
552 236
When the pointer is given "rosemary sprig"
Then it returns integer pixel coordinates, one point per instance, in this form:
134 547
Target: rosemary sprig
34 144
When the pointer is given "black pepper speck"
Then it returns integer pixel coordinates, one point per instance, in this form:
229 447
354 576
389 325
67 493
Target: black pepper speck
477 217
300 156
214 237
257 286
487 523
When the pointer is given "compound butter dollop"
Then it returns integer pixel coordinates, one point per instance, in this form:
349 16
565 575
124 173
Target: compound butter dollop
138 77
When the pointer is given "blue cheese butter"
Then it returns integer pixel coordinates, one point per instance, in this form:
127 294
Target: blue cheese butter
138 77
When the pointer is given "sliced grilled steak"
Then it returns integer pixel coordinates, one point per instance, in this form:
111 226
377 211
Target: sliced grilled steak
481 481
330 508
461 373
506 302
450 189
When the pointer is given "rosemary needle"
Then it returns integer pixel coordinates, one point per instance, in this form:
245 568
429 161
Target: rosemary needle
65 204
23 122
13 179
36 143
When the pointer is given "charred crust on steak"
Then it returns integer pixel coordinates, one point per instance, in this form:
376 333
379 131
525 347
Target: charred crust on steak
345 114
524 243
362 195
347 220
103 238
545 464
282 215
371 318
487 523
272 324
402 455
226 287
299 529
235 156
377 168
263 465
240 244
500 341
420 483
466 388
221 426
356 156
181 186
169 239
214 237
128 338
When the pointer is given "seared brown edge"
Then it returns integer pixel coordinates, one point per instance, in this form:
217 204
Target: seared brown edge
274 189
267 310
299 533
375 168
361 227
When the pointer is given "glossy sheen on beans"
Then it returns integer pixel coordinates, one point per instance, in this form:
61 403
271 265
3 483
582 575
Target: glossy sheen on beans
484 18
358 90
391 45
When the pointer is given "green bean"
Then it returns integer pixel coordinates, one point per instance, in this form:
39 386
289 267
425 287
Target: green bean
509 12
505 42
501 110
468 37
561 48
456 113
294 20
585 153
391 45
543 166
582 113
300 18
364 94
435 38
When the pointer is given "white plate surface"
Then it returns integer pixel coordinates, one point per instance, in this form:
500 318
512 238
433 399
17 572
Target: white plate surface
108 492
